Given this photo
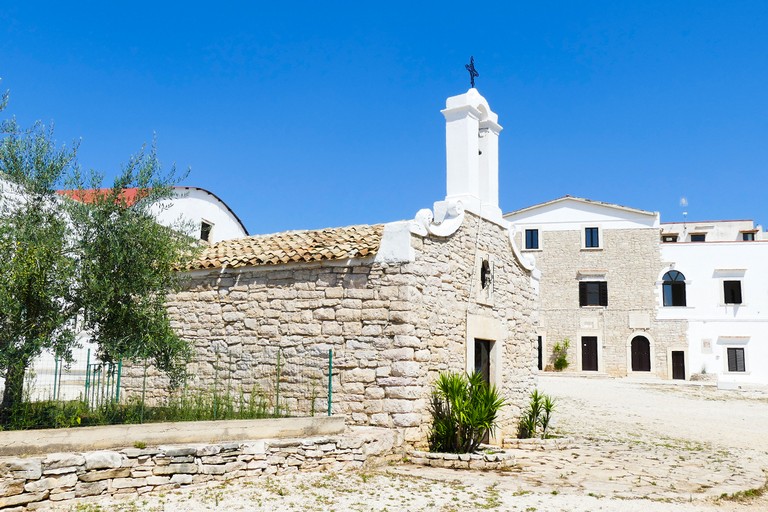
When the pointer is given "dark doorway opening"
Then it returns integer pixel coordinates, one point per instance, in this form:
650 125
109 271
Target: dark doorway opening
589 353
641 354
678 364
483 358
541 354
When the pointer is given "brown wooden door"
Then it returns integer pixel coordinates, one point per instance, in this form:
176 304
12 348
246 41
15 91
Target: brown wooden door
541 354
641 354
589 353
483 359
678 364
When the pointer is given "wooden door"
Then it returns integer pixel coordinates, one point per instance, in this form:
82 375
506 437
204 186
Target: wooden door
641 354
678 364
541 354
589 353
483 359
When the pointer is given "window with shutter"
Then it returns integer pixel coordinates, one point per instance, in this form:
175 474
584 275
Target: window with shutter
593 293
732 292
592 238
531 238
736 360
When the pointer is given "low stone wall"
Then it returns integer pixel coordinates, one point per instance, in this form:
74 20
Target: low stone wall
27 482
107 437
496 459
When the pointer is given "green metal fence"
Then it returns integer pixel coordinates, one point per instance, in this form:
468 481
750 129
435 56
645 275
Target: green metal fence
294 381
284 382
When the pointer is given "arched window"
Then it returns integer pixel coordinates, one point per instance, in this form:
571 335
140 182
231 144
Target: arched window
674 288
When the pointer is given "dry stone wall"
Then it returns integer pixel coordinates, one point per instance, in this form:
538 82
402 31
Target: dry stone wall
631 262
392 327
27 483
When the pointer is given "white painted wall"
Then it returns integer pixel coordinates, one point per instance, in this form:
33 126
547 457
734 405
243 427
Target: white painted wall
713 325
716 231
574 214
472 154
195 205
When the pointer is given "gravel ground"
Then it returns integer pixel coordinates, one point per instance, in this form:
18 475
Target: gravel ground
640 446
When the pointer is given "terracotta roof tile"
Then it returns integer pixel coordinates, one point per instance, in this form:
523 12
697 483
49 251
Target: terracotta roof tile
290 247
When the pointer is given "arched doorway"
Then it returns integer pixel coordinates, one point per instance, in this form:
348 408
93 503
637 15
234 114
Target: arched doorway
641 354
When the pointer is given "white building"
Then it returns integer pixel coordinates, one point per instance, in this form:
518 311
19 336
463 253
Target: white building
199 212
599 263
639 297
720 287
711 231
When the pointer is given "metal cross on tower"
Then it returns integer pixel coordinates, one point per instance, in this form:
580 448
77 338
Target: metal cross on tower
472 71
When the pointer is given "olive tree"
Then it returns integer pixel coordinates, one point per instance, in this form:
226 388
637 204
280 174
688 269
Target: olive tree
127 264
38 266
95 260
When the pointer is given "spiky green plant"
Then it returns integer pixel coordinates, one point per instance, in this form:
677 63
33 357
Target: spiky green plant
537 417
464 409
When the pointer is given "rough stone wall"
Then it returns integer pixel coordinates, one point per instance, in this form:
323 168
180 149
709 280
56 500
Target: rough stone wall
27 483
631 260
392 327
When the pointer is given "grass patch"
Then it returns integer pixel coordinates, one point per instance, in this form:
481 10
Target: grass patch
186 405
746 495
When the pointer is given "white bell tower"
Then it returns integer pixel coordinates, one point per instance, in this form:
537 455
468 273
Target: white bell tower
472 154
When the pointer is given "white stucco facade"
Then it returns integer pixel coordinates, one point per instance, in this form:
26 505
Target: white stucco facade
196 206
712 231
715 323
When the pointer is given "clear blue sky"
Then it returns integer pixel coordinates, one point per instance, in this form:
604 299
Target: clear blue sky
321 114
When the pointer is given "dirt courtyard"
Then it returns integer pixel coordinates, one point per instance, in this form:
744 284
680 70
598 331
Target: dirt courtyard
638 446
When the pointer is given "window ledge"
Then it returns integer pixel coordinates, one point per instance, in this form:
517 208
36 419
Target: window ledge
679 307
532 250
593 307
730 304
736 373
591 248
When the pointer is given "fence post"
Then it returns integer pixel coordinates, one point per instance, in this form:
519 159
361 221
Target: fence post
216 386
143 391
99 386
55 373
119 372
330 379
87 373
277 385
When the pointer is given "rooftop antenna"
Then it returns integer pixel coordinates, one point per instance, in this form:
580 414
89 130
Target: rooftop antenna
684 206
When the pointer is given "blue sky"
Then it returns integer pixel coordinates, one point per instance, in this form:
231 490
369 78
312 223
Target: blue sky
320 114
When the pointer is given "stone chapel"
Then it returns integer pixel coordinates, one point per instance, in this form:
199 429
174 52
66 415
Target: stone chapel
397 303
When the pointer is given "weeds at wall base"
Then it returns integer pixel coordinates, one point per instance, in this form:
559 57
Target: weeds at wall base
186 406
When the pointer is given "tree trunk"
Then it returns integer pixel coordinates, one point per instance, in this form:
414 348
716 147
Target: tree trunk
14 391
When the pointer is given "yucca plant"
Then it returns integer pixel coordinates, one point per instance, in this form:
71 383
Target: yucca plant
464 409
537 418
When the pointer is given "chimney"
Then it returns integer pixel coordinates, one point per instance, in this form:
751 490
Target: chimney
472 154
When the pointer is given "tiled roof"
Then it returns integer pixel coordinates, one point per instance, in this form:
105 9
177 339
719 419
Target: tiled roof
580 200
130 195
291 246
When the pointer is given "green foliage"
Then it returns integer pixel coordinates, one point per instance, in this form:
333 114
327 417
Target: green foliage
183 405
103 262
560 354
38 267
127 262
464 409
536 420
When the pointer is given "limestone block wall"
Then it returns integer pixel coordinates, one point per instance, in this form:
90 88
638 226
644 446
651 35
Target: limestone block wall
29 482
392 326
630 261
